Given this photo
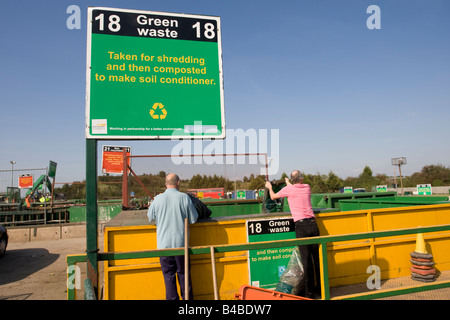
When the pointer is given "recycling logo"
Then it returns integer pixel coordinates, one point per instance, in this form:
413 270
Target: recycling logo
158 115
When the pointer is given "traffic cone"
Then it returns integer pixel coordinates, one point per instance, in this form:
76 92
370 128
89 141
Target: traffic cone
420 244
422 268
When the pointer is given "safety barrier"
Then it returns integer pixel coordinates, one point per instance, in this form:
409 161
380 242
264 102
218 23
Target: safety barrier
72 260
390 202
34 216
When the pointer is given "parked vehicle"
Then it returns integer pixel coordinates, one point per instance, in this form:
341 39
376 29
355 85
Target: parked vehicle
3 240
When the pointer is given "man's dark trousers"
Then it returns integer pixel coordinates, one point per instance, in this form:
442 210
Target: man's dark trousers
171 267
309 254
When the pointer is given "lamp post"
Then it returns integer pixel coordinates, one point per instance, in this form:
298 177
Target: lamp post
234 174
399 162
269 163
12 172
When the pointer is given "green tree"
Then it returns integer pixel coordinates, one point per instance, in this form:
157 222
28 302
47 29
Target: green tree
382 179
257 183
333 182
351 182
435 174
162 174
195 182
366 179
307 178
318 184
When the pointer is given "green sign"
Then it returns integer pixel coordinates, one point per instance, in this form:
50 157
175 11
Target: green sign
52 169
261 193
267 265
153 75
348 189
424 189
382 188
240 194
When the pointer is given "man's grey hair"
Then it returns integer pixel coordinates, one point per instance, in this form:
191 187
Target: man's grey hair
296 177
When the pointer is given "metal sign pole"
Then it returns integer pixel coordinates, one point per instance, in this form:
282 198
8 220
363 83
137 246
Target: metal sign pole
91 214
186 259
401 181
125 198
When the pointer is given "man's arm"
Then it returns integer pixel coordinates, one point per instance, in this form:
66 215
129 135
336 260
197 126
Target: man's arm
192 213
151 213
273 195
152 210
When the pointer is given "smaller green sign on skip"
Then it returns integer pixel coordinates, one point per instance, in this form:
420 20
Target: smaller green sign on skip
240 194
424 189
153 75
348 189
267 265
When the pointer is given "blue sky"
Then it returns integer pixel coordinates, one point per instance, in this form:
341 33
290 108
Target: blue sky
341 95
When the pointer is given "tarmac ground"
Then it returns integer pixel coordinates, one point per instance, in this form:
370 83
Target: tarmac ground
37 270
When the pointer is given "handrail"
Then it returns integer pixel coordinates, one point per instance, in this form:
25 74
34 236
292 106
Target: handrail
321 240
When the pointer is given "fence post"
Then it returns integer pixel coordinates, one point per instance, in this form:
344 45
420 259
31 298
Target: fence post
214 273
186 259
125 198
323 257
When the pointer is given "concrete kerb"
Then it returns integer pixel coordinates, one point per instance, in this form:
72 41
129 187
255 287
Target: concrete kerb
48 232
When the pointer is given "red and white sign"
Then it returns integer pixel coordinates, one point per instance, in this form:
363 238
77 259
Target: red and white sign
26 181
112 159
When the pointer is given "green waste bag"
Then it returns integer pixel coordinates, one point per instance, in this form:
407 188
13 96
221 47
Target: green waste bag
291 281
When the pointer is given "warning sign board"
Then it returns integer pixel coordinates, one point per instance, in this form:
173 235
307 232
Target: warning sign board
112 159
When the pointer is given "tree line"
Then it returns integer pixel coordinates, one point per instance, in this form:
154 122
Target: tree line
110 187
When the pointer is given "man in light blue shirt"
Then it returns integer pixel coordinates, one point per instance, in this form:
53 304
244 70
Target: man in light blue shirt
169 210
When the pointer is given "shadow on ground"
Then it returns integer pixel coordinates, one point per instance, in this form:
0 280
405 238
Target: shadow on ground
19 264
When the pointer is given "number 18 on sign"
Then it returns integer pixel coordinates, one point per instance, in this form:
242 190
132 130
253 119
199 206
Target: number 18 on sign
153 75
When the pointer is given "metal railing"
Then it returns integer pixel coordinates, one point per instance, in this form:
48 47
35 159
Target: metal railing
322 241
